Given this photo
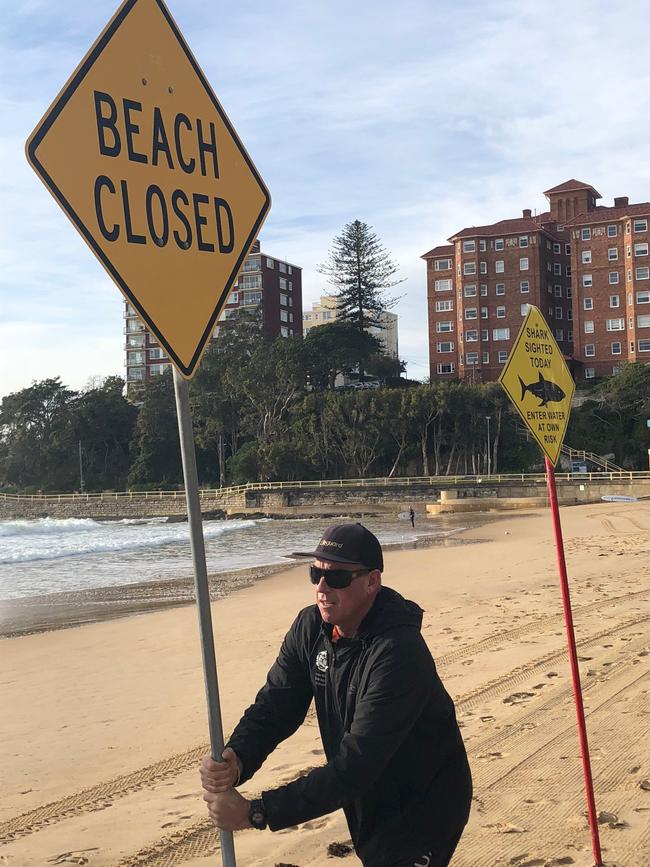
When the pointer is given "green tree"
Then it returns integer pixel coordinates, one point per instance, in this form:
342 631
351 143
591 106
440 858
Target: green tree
39 446
156 446
361 271
336 348
104 422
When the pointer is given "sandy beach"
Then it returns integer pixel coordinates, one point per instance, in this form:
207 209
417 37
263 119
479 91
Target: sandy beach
103 724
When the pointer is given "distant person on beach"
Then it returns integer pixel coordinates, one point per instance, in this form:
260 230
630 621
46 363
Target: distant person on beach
396 762
412 516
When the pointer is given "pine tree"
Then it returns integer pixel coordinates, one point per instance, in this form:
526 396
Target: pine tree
360 269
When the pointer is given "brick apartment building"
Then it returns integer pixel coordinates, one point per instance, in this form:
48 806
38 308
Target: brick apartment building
479 286
264 282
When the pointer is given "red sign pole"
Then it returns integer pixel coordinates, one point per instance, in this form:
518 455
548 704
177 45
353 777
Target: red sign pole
573 657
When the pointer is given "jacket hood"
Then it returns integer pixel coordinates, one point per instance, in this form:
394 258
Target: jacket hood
390 610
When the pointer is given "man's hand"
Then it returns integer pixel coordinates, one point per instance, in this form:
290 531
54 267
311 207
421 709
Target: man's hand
228 810
218 777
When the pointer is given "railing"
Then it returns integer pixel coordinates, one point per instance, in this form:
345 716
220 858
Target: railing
382 482
598 460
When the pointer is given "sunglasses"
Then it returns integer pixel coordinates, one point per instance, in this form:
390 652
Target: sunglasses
337 579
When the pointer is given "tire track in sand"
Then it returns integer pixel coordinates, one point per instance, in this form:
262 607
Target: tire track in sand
101 796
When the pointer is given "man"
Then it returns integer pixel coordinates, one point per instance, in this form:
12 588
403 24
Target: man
396 763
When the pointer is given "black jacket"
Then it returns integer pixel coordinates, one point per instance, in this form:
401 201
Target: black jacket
396 763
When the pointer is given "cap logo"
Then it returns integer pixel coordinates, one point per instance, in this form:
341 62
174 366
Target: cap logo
327 544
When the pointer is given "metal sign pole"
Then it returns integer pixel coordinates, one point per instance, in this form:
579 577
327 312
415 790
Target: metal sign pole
181 390
573 657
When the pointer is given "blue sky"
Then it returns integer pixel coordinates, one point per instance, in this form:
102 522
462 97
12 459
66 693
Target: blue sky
416 117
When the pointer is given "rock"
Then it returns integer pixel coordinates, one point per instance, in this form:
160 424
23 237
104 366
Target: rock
339 850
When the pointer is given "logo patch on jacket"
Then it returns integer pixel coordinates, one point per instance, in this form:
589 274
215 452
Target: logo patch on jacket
321 661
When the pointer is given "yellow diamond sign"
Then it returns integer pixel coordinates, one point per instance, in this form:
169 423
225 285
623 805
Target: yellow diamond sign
538 382
140 155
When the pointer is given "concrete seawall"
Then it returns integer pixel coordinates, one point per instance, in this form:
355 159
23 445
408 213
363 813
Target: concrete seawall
285 499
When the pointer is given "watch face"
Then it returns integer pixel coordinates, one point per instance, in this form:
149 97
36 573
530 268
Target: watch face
257 816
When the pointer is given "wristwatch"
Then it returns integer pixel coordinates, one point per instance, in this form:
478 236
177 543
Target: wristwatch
257 814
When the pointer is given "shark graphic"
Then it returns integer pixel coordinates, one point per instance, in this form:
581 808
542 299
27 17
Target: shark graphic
545 390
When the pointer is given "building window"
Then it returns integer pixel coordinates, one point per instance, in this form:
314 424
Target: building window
501 312
524 286
557 269
557 247
485 334
252 264
282 267
284 331
558 313
470 291
443 285
270 263
641 249
441 306
559 334
523 264
469 246
567 249
447 346
569 314
524 309
642 273
616 324
249 298
498 244
569 336
503 356
484 313
284 316
523 241
640 225
589 326
643 297
158 369
471 336
612 231
587 280
644 345
283 283
590 372
483 267
442 265
469 268
445 367
586 234
499 266
588 303
156 353
616 348
614 301
445 325
501 288
643 321
482 245
586 257
471 358
484 290
613 278
590 350
471 313
250 281
558 291
501 334
612 254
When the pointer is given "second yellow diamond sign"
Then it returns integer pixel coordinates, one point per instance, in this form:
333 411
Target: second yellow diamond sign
539 383
140 155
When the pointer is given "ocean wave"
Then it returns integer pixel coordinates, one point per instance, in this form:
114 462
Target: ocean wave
67 539
46 527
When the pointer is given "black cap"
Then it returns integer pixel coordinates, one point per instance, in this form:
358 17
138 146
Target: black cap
347 543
